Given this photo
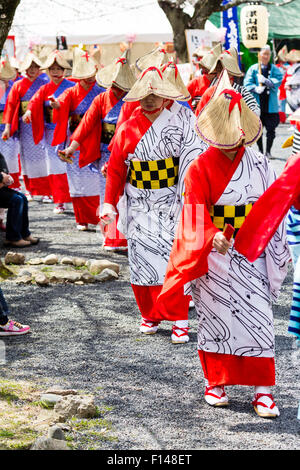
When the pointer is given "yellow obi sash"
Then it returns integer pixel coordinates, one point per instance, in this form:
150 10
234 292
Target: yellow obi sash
107 132
154 174
233 215
23 107
74 121
1 117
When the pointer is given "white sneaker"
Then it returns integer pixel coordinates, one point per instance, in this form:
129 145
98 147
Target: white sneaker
29 197
149 327
82 227
180 332
264 405
216 396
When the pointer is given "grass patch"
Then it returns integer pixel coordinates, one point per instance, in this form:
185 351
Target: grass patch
21 421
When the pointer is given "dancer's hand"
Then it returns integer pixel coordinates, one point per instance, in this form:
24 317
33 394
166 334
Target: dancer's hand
221 244
27 117
108 214
54 103
5 134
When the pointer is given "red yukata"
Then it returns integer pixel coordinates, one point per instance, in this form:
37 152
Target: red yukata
43 129
84 185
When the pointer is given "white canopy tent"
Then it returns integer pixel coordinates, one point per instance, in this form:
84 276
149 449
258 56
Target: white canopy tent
108 23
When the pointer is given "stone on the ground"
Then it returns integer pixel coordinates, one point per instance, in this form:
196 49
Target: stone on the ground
77 406
50 399
41 279
55 432
24 280
12 257
87 277
35 261
50 259
106 275
96 266
79 262
47 443
67 260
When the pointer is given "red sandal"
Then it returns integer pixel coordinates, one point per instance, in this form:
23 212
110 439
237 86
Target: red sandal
265 408
214 399
179 335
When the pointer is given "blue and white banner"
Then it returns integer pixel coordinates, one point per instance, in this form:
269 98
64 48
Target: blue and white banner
230 22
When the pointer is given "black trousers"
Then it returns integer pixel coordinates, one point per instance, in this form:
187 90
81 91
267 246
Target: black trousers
270 121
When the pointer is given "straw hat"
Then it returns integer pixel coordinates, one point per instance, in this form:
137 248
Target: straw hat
30 57
226 121
229 61
58 57
14 63
282 53
119 73
210 59
293 56
200 52
156 58
7 72
84 66
152 81
171 72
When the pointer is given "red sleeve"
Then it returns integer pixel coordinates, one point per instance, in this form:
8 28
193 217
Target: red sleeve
12 105
117 169
205 99
36 106
61 116
269 210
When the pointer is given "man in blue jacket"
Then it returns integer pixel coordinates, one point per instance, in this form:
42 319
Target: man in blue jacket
264 87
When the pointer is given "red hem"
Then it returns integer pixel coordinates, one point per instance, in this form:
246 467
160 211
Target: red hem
59 188
227 369
176 308
86 209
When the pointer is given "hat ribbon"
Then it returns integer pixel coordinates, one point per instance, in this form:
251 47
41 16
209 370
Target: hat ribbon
86 55
122 60
152 68
168 64
235 99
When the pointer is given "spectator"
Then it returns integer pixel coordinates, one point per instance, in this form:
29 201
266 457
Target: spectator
263 80
17 223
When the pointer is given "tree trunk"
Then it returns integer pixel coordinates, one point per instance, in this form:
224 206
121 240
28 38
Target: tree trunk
7 13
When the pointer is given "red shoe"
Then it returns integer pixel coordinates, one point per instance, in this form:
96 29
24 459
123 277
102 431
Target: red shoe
179 335
2 226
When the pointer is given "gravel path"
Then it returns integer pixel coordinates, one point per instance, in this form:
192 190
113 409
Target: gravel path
87 338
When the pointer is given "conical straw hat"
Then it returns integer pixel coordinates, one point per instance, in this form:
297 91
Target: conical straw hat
45 52
7 72
96 55
156 58
171 72
229 60
30 57
119 73
58 57
84 66
209 60
14 63
226 121
152 81
293 56
282 54
201 51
